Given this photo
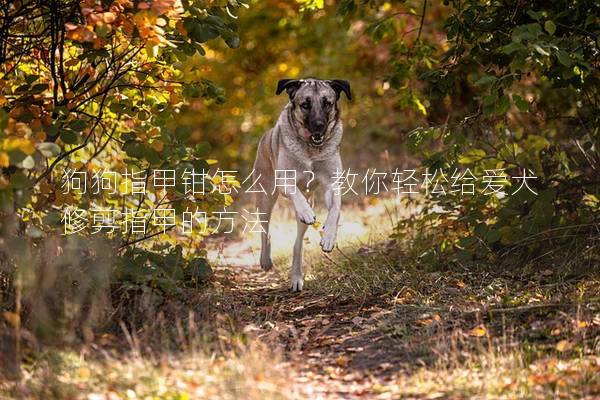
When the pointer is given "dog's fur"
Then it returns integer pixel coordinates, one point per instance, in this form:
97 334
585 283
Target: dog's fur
306 137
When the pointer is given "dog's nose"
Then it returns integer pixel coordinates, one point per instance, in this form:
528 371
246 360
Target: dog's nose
319 125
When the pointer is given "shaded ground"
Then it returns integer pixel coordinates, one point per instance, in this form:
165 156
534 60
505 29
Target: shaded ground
340 348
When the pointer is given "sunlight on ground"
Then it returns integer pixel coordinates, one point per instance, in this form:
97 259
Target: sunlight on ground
357 225
69 375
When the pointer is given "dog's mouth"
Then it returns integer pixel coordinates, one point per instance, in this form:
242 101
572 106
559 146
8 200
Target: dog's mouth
317 141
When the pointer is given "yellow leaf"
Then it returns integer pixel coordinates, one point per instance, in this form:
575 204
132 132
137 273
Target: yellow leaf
420 106
25 145
579 324
13 318
4 160
84 373
564 345
125 186
342 361
109 17
478 331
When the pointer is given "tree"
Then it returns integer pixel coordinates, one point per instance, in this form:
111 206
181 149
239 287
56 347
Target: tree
93 89
513 87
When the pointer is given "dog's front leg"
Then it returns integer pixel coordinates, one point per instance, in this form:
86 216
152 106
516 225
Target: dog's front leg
304 211
304 217
333 202
297 273
264 205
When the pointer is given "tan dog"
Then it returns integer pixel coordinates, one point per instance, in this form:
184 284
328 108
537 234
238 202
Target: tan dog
305 142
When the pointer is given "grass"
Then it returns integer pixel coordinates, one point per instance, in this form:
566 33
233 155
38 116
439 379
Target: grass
488 331
234 375
374 320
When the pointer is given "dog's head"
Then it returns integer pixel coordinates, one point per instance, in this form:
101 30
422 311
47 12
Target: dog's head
314 105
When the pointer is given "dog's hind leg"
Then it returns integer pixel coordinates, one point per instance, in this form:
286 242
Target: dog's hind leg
297 273
264 204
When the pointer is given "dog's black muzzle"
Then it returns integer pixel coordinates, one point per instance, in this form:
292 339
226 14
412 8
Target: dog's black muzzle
317 136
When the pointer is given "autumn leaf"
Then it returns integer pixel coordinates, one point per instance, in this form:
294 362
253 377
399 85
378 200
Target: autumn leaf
541 379
478 331
4 159
579 324
84 373
13 318
25 145
564 345
342 361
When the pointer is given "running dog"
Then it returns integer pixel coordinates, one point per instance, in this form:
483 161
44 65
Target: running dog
305 140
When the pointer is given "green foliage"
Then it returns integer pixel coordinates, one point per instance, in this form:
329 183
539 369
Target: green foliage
89 87
515 87
167 273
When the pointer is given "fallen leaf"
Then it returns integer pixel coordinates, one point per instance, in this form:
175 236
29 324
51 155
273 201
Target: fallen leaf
579 324
541 379
564 345
342 361
478 331
13 318
84 373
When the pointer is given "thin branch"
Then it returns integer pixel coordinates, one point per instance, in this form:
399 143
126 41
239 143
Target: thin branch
145 237
422 20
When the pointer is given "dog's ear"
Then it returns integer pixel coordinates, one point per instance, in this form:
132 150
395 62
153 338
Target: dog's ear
340 85
290 85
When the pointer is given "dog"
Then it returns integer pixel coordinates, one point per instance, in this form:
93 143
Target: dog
305 142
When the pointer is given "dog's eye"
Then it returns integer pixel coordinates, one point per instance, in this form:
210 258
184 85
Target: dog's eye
326 103
305 106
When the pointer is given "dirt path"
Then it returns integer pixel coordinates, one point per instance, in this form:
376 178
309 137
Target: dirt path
429 339
327 344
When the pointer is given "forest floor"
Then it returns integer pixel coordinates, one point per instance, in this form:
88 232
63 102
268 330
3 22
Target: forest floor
370 324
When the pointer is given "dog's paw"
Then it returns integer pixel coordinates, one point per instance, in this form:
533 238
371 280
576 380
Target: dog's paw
307 216
297 283
327 243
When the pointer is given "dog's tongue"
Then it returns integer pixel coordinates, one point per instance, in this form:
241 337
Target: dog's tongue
306 134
